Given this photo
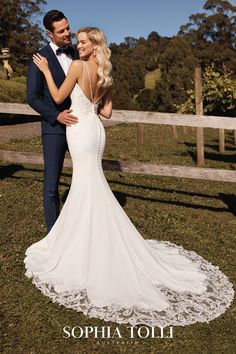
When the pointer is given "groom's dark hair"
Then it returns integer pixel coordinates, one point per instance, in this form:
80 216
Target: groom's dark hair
52 16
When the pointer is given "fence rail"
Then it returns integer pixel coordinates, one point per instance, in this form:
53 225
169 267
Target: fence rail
210 174
124 116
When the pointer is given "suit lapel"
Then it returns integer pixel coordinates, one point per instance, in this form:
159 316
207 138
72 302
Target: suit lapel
54 65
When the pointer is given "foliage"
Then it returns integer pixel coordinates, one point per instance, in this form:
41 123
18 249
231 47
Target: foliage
212 33
19 79
219 93
208 37
13 90
144 100
19 31
132 60
176 64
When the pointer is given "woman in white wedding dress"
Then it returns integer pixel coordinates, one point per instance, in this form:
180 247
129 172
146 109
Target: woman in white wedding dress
94 260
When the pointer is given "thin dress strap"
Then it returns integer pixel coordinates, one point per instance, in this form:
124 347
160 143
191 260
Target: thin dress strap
90 83
82 76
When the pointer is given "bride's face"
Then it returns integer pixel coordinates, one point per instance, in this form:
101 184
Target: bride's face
85 46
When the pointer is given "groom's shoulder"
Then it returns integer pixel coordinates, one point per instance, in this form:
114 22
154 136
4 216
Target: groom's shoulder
44 50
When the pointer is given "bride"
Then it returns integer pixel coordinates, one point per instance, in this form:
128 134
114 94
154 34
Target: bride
94 260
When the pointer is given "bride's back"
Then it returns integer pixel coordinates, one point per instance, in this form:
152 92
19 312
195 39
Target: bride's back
88 80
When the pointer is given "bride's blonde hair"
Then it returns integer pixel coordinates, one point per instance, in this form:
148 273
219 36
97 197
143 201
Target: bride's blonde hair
103 54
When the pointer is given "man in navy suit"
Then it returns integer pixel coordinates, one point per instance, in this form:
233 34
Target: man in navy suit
55 117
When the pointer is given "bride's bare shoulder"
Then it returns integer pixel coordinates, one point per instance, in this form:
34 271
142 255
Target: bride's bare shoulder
76 68
77 63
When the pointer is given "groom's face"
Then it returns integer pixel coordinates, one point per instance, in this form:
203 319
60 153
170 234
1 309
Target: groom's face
61 34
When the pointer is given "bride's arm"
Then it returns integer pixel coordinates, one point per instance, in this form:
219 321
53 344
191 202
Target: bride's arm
59 95
105 109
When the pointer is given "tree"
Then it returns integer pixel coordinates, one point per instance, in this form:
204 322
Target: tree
154 37
19 31
219 93
131 42
212 34
128 79
177 67
144 99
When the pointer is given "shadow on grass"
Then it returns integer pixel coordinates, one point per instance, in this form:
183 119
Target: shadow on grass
229 140
9 170
12 119
215 157
179 203
215 147
121 197
229 199
221 157
229 145
164 190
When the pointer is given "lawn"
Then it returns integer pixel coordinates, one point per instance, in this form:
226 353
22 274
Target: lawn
160 147
199 215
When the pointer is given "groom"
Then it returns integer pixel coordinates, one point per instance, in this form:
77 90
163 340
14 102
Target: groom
54 117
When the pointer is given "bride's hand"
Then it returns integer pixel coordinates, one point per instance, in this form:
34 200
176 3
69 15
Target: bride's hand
41 62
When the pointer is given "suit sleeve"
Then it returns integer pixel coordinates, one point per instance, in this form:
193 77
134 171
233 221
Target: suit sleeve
35 84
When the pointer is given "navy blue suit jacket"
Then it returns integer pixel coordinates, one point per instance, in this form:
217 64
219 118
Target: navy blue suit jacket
38 94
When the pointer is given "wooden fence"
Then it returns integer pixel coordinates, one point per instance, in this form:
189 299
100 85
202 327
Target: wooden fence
184 120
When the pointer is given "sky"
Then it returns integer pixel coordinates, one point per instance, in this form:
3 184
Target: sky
123 18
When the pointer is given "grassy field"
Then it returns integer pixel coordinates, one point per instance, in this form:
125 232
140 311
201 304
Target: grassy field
198 215
160 147
151 78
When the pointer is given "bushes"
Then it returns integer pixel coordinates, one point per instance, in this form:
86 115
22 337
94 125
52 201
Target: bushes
219 93
13 90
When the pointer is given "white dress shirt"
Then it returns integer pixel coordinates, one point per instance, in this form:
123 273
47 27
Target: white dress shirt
64 59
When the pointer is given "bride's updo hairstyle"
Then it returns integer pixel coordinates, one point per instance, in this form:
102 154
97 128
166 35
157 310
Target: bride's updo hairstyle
103 53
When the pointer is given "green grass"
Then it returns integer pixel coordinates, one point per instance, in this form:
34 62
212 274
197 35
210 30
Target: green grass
199 215
151 78
160 147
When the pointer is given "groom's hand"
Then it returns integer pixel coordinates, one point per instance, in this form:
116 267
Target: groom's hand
66 118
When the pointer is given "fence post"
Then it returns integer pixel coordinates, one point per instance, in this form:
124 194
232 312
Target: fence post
221 141
199 111
185 131
140 133
174 131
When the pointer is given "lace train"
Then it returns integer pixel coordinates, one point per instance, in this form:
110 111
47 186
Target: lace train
184 307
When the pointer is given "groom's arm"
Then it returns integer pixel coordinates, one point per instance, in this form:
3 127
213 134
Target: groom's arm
35 84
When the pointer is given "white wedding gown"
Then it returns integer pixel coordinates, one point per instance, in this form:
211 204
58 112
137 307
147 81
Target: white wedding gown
95 261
